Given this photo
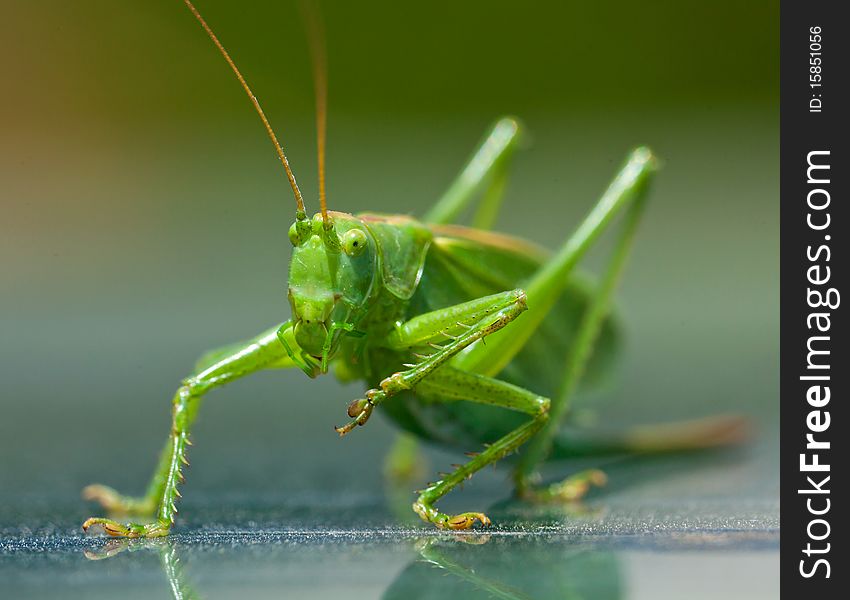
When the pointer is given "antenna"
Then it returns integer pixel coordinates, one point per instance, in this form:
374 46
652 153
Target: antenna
316 35
299 201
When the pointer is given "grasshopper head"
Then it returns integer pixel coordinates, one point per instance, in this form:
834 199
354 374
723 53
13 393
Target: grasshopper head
330 280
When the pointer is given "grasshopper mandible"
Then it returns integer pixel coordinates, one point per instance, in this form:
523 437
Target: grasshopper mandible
405 305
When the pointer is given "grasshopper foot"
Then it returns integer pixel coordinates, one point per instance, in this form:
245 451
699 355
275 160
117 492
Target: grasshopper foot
444 521
118 504
465 521
129 530
571 489
360 410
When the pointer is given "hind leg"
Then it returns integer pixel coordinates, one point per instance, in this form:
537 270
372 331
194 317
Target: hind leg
591 324
546 285
451 385
487 170
626 193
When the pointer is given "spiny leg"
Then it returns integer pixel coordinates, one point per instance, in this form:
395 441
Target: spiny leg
264 351
168 556
455 326
548 283
580 351
402 464
488 165
450 385
181 589
116 503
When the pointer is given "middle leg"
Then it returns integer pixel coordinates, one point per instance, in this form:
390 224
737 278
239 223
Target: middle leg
264 351
450 385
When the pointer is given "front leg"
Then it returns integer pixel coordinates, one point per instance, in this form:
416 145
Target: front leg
264 351
443 333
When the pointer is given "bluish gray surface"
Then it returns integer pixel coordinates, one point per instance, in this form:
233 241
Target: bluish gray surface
672 527
653 554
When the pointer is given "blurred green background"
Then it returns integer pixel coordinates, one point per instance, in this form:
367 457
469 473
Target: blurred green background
144 215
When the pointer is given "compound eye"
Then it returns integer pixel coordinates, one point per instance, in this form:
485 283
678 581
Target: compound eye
354 242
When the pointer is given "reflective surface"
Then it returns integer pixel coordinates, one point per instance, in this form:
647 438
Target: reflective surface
399 565
523 562
691 527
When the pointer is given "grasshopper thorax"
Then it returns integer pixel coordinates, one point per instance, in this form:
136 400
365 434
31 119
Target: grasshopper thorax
330 280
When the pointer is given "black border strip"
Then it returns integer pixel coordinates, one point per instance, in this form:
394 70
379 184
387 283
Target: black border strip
815 41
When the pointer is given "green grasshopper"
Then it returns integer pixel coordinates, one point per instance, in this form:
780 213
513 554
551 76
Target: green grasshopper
406 305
